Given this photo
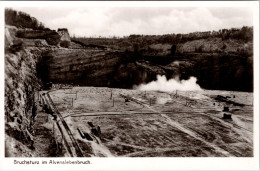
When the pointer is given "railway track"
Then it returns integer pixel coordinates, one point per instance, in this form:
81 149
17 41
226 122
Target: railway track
50 103
126 113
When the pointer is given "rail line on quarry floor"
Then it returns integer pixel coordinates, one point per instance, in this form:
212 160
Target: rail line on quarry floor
81 114
74 143
45 101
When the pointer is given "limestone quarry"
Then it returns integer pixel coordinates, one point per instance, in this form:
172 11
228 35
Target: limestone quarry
67 97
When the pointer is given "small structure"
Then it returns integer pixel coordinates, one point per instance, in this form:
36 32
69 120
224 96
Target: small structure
99 130
88 137
48 110
227 116
91 124
96 131
81 134
226 109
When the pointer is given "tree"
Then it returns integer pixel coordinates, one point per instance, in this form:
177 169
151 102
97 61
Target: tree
173 50
22 20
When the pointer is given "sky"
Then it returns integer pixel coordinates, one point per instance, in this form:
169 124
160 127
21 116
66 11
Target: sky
123 21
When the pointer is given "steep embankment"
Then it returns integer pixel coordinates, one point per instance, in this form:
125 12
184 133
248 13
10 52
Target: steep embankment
22 83
218 64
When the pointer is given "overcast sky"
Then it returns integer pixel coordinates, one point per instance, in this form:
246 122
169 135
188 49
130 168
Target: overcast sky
123 21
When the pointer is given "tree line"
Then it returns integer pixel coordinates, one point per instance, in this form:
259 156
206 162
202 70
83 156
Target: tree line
22 20
245 33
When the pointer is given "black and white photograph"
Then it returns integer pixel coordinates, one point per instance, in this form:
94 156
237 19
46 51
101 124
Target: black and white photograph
147 81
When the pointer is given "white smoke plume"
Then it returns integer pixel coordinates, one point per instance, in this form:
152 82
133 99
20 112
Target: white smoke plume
164 85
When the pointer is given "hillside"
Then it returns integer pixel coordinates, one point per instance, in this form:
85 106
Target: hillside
238 36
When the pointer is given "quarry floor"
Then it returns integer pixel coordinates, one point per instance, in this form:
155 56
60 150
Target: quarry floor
157 124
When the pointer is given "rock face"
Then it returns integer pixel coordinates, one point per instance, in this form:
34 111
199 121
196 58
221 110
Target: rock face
21 83
64 34
65 37
81 66
217 71
8 38
88 67
51 36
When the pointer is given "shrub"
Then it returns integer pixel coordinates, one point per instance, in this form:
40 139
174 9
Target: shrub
173 50
199 49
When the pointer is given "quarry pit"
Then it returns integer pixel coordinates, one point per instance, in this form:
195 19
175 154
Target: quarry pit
92 97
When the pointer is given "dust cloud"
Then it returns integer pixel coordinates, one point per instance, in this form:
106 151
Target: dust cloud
164 85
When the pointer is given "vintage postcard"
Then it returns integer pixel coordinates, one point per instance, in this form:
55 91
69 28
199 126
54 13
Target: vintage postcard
129 85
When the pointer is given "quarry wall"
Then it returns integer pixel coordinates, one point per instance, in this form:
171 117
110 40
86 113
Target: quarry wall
21 85
92 67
